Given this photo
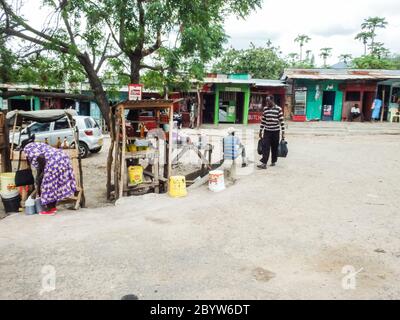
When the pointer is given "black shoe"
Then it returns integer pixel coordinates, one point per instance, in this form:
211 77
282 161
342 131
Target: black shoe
273 164
262 166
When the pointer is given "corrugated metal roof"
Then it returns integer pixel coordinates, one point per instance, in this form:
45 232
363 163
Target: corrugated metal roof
340 74
256 82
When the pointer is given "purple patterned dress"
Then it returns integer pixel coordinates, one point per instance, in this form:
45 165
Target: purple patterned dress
58 179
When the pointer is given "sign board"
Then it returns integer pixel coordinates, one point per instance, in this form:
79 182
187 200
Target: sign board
135 91
233 89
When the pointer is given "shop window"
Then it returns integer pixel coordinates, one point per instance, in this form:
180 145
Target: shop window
353 96
300 101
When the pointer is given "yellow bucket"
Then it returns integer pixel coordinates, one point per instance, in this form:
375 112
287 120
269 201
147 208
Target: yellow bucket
177 186
7 181
135 175
131 148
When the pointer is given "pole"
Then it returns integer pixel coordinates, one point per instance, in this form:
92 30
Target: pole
383 103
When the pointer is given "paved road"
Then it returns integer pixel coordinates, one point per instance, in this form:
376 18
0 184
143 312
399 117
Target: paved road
289 232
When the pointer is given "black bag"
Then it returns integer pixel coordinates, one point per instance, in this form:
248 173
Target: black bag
23 177
259 147
283 149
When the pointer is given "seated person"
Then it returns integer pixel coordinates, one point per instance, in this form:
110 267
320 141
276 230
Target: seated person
355 112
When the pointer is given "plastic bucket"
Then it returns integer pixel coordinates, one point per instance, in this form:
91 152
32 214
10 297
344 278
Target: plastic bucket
135 175
177 186
216 181
11 204
9 195
7 181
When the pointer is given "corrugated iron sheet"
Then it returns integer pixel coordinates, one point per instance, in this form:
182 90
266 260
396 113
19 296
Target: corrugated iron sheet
340 74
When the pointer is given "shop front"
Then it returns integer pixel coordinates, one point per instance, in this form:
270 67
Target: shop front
318 100
358 94
231 103
258 94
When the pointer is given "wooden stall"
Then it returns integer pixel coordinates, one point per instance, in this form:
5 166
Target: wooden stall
45 116
119 154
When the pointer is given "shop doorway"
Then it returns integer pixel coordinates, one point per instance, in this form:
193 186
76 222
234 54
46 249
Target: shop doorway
368 100
208 108
19 104
328 105
239 107
84 108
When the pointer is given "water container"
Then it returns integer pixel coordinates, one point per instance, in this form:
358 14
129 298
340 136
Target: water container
12 204
38 205
177 186
231 147
135 175
7 180
30 207
216 181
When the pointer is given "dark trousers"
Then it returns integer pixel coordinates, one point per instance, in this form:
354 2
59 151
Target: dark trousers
270 143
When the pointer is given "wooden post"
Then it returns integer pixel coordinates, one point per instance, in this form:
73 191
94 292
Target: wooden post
170 142
117 154
199 108
123 181
383 103
110 156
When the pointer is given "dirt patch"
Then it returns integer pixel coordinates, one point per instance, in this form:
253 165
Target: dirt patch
261 274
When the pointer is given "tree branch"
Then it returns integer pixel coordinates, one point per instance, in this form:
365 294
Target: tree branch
46 94
154 47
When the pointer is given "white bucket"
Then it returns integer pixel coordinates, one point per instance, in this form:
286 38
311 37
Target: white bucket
216 182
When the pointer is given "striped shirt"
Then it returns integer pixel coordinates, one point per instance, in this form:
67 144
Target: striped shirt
272 119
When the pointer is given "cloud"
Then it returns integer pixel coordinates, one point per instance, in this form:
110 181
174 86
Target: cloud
334 30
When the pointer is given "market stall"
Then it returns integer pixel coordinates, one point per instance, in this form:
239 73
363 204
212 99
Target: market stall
134 142
18 120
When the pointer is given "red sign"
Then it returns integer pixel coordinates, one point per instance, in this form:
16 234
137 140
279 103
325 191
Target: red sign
135 91
255 117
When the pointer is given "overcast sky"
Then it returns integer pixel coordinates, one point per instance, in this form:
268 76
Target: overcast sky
330 23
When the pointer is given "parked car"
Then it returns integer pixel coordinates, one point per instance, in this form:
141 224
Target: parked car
90 135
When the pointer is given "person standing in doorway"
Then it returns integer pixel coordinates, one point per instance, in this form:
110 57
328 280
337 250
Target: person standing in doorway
272 123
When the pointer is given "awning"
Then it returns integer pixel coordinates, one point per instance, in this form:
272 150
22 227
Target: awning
42 115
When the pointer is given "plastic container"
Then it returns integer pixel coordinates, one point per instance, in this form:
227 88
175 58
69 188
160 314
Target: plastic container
7 181
38 205
231 147
177 186
135 175
216 181
11 204
30 207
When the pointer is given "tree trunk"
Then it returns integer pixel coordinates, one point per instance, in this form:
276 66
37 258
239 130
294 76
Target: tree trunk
97 87
135 69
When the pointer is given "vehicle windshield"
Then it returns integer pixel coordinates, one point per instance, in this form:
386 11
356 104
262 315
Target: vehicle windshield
39 127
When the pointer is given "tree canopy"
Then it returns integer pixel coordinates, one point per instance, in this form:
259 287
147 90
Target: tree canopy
114 40
261 62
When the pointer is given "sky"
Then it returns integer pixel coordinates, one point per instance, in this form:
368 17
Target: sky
329 23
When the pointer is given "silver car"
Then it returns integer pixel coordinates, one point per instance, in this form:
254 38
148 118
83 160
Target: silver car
90 135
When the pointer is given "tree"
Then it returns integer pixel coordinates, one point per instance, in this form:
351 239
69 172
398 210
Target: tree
372 62
114 40
364 37
371 25
261 62
325 54
346 58
293 59
302 39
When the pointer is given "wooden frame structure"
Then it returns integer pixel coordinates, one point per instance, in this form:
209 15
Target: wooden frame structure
118 154
79 198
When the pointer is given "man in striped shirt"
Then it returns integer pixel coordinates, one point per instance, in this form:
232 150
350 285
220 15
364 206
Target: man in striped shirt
272 123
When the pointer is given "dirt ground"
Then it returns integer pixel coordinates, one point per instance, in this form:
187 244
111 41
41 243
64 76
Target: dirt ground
291 232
